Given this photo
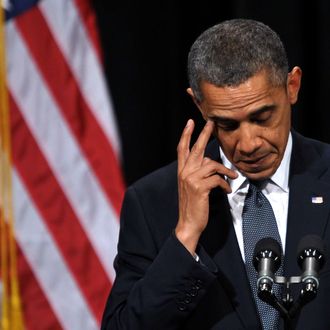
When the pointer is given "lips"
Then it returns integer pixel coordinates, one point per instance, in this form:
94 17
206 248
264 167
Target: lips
254 160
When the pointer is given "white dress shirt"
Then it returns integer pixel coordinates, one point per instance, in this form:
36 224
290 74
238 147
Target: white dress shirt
276 191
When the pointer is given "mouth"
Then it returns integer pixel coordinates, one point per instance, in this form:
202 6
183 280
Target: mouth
255 164
255 161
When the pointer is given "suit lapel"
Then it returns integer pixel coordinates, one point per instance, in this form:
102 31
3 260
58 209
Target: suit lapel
305 215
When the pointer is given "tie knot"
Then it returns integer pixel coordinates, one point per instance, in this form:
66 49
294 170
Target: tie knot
255 189
259 185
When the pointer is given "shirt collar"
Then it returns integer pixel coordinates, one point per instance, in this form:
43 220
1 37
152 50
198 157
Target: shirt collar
280 177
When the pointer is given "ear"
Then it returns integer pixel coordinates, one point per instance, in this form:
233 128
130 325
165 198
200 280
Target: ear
198 104
293 84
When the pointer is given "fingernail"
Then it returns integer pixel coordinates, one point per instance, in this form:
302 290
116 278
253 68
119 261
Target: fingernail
189 122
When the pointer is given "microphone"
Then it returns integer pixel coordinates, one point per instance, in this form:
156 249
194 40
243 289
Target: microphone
311 259
266 260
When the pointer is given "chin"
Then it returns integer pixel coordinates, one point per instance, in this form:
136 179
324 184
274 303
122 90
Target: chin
260 171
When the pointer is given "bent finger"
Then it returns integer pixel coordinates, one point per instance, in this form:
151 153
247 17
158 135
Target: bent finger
214 181
210 167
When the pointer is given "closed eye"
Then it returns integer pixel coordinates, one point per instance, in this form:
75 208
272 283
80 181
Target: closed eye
260 117
263 115
227 125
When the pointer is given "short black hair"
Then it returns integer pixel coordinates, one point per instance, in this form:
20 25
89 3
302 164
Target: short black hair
231 52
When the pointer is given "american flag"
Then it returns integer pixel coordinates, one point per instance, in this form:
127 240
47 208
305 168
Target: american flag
66 177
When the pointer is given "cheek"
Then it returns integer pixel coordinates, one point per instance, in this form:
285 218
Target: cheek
275 142
282 125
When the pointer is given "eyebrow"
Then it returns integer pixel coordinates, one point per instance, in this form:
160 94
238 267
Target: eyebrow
255 113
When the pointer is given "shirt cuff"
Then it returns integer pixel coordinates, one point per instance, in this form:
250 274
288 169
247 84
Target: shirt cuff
196 257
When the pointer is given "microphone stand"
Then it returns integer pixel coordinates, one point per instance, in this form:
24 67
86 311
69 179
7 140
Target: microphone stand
286 306
266 260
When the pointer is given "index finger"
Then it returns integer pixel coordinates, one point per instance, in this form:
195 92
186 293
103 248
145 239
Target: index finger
198 150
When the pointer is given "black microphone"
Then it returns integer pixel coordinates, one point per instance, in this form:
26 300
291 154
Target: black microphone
266 260
311 259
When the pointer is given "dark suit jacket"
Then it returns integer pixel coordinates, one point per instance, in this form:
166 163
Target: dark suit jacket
160 286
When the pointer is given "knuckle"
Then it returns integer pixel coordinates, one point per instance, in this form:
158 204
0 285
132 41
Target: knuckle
185 176
211 168
181 176
179 147
190 181
196 187
196 150
221 169
193 184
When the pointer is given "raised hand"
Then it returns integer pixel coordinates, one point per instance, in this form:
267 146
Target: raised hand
197 176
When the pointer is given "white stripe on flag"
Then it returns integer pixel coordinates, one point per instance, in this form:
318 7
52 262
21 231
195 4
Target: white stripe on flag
61 15
63 154
48 265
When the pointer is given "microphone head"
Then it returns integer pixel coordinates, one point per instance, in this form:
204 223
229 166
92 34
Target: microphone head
311 246
267 247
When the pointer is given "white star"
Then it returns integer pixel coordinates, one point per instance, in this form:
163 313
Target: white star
5 4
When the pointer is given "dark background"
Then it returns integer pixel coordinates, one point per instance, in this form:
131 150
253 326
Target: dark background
145 48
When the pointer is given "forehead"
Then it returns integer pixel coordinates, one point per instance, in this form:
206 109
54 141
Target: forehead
249 96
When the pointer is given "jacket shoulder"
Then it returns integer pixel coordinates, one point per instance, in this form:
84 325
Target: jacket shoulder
309 155
159 180
166 176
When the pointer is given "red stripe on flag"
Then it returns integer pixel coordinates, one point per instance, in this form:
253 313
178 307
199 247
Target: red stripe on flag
34 302
67 94
88 17
58 215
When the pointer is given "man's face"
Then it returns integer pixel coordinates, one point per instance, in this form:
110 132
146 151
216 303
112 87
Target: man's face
252 121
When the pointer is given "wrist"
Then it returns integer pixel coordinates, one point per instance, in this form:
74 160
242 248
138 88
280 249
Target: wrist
189 239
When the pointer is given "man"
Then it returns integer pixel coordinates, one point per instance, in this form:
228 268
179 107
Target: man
183 258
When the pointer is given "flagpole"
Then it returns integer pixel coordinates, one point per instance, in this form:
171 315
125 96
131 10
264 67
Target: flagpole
11 318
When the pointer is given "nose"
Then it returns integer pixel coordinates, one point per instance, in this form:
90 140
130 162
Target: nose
248 141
